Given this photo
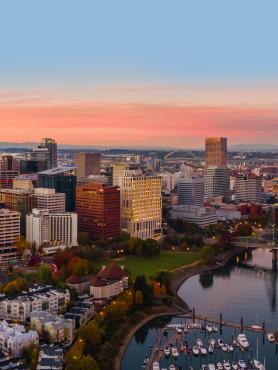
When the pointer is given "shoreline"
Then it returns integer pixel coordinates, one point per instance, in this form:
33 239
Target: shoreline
180 275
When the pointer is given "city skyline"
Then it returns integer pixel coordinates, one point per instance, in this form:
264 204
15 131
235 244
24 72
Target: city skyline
88 81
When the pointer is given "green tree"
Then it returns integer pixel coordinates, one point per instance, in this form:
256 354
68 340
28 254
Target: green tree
22 244
151 248
45 274
91 334
31 355
139 300
164 277
142 285
15 286
84 238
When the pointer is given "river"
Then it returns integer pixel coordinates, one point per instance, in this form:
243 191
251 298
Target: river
238 291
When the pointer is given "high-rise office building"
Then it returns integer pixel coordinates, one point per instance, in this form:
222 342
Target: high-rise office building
29 166
87 164
45 227
63 180
51 145
191 190
9 169
216 152
18 200
217 182
51 200
248 188
98 209
141 206
9 233
118 171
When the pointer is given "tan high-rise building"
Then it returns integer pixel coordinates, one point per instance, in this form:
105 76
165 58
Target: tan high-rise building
216 152
141 206
87 164
118 171
9 232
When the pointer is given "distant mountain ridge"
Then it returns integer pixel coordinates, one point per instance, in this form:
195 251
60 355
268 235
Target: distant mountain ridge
236 147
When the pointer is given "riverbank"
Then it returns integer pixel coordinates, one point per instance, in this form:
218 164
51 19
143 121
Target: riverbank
180 275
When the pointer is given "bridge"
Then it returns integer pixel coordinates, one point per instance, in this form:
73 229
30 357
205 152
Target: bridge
259 242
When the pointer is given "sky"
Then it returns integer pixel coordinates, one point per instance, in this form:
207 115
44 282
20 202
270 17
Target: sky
143 73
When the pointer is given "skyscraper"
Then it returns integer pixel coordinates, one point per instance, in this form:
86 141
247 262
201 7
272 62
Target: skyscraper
9 169
191 190
141 206
87 164
51 145
249 188
216 152
9 232
63 180
217 182
98 209
51 200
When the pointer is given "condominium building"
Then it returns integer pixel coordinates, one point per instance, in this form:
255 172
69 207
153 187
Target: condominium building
51 357
98 209
141 206
87 164
217 182
248 188
44 227
9 169
19 200
36 299
57 328
51 200
63 180
14 338
201 216
191 190
9 233
216 152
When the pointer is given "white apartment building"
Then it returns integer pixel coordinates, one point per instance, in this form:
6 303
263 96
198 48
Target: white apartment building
9 232
14 338
57 327
40 299
44 227
141 206
191 190
248 188
201 216
49 199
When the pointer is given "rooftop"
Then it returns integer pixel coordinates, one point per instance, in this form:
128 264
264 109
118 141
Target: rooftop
57 170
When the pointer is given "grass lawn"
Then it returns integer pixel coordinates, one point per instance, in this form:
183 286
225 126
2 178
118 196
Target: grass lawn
165 261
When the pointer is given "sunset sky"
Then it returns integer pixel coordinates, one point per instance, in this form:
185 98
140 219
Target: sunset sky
148 72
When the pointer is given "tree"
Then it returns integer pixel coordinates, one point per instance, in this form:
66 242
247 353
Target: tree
91 334
84 238
151 248
164 277
139 300
136 246
15 286
22 245
45 274
142 285
62 258
208 253
31 354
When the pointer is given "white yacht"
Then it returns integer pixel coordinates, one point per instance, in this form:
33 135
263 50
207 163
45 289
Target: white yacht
234 366
225 348
219 366
203 350
211 366
231 348
199 342
258 365
156 366
242 364
212 342
270 337
242 341
226 365
220 342
210 349
215 328
195 350
175 352
209 328
167 351
179 330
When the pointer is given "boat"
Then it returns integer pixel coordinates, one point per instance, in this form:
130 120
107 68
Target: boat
226 365
203 350
199 342
146 360
167 351
156 366
211 366
215 328
209 328
179 330
225 348
270 337
234 366
242 364
219 366
231 348
175 352
210 349
195 350
242 341
220 342
172 367
212 342
258 365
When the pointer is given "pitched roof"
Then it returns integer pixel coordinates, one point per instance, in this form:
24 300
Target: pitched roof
112 272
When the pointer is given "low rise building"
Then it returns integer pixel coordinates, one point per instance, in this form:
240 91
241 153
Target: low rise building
37 299
51 357
81 313
14 338
111 281
56 328
201 216
81 284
